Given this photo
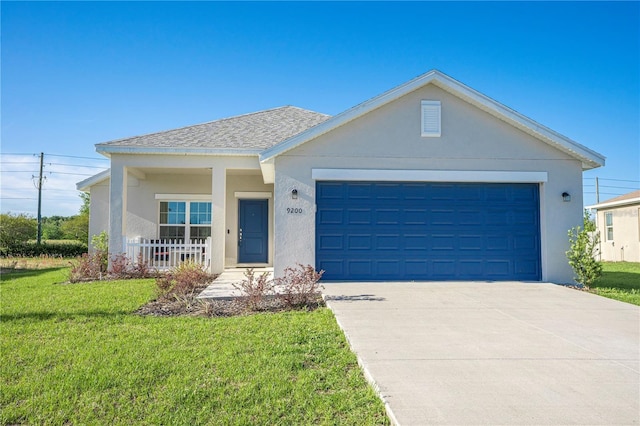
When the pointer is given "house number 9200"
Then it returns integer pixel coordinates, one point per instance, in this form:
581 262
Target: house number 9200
292 210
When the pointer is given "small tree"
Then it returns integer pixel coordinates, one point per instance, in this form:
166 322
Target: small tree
17 229
584 243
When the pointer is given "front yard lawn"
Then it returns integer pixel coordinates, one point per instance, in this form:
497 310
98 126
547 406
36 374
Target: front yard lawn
75 354
620 281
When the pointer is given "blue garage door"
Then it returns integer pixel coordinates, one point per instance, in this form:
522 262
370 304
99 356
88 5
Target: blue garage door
390 231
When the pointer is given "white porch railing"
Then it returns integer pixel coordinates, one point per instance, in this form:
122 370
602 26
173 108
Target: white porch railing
166 254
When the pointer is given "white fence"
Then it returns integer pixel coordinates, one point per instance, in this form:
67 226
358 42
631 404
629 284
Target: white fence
165 254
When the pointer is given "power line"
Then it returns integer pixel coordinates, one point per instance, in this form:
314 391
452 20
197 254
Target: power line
75 156
76 165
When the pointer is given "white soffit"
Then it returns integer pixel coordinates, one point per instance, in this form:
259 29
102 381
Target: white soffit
484 176
184 197
252 195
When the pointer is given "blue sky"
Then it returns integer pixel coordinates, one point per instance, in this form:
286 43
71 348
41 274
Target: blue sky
79 73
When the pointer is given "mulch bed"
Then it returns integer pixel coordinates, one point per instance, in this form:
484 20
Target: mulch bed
189 305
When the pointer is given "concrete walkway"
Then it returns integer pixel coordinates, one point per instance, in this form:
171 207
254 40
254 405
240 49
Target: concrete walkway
222 287
494 353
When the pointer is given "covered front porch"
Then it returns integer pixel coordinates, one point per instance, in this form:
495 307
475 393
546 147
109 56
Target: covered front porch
214 211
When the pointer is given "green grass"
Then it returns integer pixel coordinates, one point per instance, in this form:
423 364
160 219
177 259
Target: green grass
620 281
75 354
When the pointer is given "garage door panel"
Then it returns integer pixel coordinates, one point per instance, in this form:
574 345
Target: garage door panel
359 268
330 242
416 268
415 217
470 242
359 216
330 191
388 268
387 216
442 269
359 191
443 242
497 242
387 242
424 231
359 242
416 242
328 216
387 191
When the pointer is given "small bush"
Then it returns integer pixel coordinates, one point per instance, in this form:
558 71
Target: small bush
93 266
88 267
254 289
120 266
182 280
57 249
299 286
583 252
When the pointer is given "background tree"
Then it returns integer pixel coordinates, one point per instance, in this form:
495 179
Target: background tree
77 227
17 229
86 202
52 227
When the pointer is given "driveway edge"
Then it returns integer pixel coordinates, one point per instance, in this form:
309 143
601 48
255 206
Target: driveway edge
363 367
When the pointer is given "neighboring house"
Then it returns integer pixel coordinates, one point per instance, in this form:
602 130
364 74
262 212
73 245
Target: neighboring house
430 180
618 221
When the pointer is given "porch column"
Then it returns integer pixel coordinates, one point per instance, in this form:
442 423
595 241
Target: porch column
218 223
117 208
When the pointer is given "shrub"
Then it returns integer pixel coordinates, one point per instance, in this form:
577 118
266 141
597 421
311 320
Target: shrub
16 229
182 280
93 266
88 267
583 252
299 286
120 266
53 249
254 289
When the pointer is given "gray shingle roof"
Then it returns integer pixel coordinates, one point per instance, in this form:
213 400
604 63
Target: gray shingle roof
255 131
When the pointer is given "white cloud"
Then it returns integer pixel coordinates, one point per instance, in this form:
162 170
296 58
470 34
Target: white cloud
18 187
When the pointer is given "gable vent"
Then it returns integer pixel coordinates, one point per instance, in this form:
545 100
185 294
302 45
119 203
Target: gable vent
431 119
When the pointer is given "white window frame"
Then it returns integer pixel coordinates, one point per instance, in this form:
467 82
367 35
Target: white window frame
608 227
187 225
433 111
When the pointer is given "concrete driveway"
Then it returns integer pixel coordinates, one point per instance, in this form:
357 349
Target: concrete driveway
494 353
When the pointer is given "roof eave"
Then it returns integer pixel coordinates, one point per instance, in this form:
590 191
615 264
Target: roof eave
621 203
109 149
95 179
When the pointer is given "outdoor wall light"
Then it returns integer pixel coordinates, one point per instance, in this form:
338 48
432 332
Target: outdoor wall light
294 194
566 197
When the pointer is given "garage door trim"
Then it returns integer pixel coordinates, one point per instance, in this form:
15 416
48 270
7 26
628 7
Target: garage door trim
456 176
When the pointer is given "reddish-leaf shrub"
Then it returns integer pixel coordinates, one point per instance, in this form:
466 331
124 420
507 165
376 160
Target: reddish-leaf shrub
182 280
88 267
254 289
299 286
93 266
120 266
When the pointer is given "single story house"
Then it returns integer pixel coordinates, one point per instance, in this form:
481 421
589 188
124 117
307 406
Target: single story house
430 180
618 221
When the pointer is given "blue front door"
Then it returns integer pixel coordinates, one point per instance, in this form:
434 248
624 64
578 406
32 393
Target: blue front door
253 231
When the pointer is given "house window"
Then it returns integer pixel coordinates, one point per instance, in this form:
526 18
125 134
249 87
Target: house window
430 119
608 222
182 220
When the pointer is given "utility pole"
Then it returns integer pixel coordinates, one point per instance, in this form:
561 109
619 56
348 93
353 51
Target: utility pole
597 191
39 240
